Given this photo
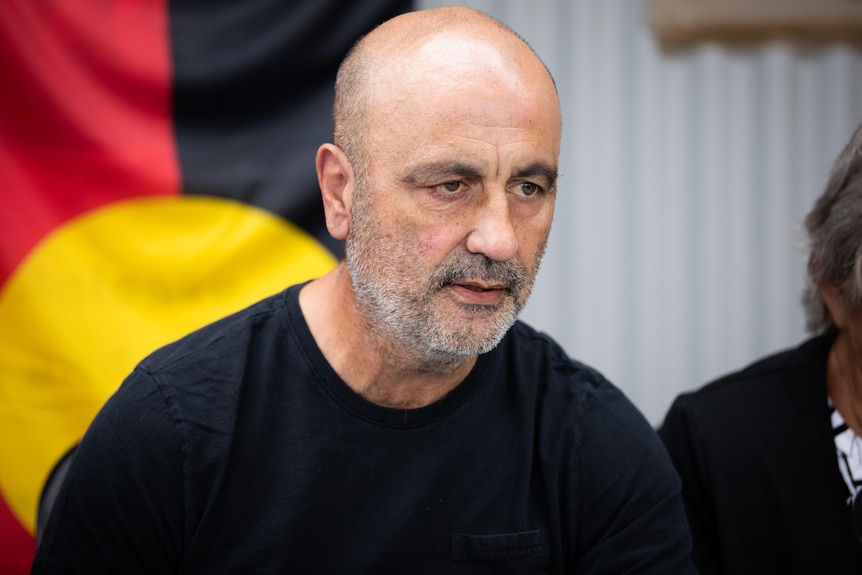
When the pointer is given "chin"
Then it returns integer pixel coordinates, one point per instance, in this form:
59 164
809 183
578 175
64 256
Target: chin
467 340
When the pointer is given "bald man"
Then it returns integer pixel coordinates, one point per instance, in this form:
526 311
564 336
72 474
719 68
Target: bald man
392 416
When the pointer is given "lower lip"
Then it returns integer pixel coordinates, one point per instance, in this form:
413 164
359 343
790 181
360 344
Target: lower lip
487 297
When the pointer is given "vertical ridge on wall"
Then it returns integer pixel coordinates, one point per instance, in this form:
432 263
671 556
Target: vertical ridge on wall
678 251
712 226
776 232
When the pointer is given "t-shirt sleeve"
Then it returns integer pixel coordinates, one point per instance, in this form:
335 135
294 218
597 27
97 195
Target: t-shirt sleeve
120 509
631 516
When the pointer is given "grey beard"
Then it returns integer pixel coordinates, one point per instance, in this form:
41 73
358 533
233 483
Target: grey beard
424 340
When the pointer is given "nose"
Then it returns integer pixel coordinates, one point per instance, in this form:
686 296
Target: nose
493 233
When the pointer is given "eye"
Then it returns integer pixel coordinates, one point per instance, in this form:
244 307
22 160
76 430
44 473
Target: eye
452 187
527 189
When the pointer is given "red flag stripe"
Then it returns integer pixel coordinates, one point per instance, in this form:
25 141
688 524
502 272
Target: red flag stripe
84 113
85 120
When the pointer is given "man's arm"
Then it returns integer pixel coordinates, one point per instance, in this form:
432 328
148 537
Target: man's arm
120 509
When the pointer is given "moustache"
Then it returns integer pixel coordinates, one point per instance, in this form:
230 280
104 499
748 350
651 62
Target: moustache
511 275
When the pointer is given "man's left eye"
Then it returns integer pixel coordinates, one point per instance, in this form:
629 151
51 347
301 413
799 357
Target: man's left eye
450 187
526 189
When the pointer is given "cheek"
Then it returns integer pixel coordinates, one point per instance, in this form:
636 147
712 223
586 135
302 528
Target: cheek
534 234
431 242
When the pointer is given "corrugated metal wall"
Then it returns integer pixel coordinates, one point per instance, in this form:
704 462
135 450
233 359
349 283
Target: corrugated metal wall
678 250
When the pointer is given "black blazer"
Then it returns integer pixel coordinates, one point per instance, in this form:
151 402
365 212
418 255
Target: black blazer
761 483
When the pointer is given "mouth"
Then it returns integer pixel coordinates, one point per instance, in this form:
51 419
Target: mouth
481 288
479 293
475 281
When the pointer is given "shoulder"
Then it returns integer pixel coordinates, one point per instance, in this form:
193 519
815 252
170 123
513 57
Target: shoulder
576 398
785 376
535 352
775 405
221 339
543 363
199 378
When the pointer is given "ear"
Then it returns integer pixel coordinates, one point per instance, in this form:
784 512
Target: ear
335 177
834 300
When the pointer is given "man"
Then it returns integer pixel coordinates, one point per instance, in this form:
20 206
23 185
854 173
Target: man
391 416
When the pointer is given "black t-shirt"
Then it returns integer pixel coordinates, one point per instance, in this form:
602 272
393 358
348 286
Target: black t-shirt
238 449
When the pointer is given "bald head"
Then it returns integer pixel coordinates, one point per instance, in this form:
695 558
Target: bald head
418 53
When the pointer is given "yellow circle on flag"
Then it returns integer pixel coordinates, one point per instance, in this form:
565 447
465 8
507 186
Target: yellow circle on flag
106 289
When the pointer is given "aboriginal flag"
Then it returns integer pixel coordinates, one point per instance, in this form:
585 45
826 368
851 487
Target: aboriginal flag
156 173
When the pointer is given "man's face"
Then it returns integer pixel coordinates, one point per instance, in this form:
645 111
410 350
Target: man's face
449 224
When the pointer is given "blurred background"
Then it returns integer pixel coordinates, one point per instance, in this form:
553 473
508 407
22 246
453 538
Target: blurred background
156 172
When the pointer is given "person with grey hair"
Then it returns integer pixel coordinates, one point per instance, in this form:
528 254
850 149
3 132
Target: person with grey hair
392 416
771 456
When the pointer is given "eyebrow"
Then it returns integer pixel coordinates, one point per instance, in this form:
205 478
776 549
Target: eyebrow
540 169
441 171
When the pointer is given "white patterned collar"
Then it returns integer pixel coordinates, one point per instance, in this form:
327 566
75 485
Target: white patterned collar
848 447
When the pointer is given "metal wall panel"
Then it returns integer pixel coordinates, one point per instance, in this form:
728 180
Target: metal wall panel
678 251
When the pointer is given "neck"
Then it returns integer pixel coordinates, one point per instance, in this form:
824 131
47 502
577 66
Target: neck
382 369
844 381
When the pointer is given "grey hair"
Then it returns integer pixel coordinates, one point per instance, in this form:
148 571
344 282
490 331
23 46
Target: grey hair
351 99
835 238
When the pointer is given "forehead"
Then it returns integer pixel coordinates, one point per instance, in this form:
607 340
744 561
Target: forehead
502 61
454 93
452 55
